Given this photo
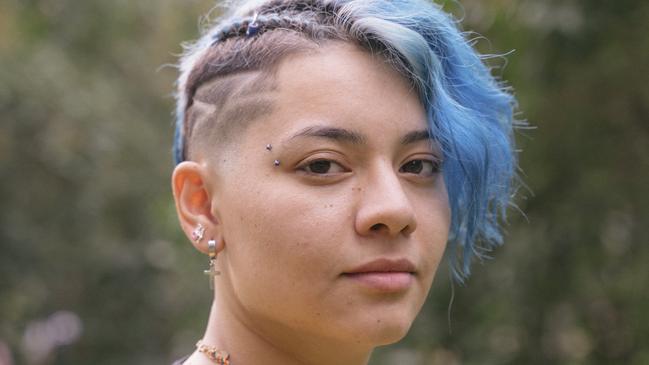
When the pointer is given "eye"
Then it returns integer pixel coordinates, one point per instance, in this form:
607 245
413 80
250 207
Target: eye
421 167
322 167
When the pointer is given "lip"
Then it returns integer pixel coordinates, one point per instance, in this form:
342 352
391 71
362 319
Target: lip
384 275
385 265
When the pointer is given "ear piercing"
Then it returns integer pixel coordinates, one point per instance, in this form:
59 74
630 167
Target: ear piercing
197 234
211 272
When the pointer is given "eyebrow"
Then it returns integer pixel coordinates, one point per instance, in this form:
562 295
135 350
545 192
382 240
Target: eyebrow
345 135
336 134
415 136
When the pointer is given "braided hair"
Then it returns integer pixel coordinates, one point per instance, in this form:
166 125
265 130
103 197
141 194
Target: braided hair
470 113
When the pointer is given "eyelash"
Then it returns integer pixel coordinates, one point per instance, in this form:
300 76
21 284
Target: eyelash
305 166
435 166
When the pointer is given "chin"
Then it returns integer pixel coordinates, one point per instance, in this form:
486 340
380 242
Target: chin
391 333
385 330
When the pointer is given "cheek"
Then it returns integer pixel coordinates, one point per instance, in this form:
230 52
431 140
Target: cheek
278 222
434 220
282 246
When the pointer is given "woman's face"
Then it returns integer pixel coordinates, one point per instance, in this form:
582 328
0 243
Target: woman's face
357 184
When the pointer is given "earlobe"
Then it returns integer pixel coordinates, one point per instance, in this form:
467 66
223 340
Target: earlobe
190 184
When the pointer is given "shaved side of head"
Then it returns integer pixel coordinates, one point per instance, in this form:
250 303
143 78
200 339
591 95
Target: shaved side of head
224 108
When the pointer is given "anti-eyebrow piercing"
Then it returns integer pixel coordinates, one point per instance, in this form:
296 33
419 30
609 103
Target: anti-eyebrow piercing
269 147
276 162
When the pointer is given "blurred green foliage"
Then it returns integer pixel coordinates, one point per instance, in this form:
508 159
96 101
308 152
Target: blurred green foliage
93 267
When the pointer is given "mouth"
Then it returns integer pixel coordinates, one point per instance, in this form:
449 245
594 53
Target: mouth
384 275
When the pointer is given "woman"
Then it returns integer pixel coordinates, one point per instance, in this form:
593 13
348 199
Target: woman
327 151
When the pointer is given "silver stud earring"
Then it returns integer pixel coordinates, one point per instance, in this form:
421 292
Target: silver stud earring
197 234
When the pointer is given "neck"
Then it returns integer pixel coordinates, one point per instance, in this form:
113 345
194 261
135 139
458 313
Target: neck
259 342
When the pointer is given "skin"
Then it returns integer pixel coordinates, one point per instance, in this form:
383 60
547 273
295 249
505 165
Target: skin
339 199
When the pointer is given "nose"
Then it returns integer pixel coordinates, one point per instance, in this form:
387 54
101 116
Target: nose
384 207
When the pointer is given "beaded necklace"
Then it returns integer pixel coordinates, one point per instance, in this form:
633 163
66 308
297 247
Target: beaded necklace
219 357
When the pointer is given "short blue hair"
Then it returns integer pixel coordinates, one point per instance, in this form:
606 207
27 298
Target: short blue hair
470 113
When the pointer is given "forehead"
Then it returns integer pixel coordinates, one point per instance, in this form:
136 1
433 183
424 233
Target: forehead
345 86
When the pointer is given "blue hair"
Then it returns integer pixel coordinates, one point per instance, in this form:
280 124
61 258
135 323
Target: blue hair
470 113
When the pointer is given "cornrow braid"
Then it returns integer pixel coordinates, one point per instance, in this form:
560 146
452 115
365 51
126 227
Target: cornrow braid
316 6
265 22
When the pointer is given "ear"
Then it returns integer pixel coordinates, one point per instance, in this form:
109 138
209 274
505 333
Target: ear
191 189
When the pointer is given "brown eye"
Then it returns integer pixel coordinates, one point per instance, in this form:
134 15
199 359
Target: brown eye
322 167
420 167
319 167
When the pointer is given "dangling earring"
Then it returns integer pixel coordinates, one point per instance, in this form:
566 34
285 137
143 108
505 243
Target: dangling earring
211 272
197 234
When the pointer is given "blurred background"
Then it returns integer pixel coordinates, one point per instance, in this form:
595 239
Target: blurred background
93 266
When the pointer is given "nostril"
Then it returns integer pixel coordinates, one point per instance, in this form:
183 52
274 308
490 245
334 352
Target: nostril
381 227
